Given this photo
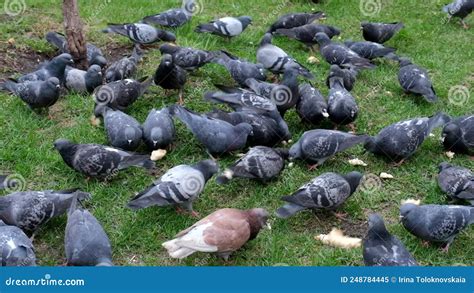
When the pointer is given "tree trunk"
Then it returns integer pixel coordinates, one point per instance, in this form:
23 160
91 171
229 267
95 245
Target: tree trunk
74 33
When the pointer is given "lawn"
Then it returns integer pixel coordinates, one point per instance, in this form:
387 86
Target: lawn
26 138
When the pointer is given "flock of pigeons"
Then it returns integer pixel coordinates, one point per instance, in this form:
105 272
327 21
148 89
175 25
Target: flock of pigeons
257 120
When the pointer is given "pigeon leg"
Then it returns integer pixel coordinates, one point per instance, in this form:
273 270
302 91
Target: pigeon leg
195 214
352 127
425 243
181 100
312 167
340 215
464 24
445 249
399 163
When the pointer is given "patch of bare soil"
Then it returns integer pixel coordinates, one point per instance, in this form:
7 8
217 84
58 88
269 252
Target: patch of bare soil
16 61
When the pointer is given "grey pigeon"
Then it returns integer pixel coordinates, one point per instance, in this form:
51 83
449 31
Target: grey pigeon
380 248
54 68
217 136
28 210
458 135
459 8
400 140
457 182
140 33
119 94
335 53
95 160
260 163
180 185
16 248
123 131
83 81
306 33
188 58
371 50
94 54
292 20
175 17
316 146
226 26
158 129
348 75
436 223
415 80
36 94
85 241
276 60
312 106
240 69
285 95
342 106
379 32
327 191
169 76
124 68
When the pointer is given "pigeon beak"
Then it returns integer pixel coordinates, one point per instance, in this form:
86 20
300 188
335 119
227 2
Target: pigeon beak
71 60
284 142
129 141
442 139
268 226
58 86
290 141
325 114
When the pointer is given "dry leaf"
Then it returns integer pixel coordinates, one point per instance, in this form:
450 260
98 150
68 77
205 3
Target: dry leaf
336 238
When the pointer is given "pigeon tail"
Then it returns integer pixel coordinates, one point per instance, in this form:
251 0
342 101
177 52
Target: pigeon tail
286 32
9 85
145 84
384 52
225 177
440 119
288 210
115 28
146 198
392 56
137 161
352 141
176 251
56 39
205 28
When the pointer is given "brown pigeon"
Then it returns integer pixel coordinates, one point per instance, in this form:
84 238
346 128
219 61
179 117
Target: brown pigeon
223 232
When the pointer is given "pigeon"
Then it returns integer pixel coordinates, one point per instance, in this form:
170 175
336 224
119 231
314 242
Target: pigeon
457 182
29 210
260 163
240 69
123 131
53 68
188 58
17 248
306 33
318 145
285 95
120 94
175 17
400 140
415 80
335 53
458 135
371 50
342 106
168 75
225 27
380 248
459 8
85 241
158 129
348 75
94 54
140 33
276 60
124 68
292 20
95 160
327 191
222 232
380 32
311 107
180 185
436 223
83 81
217 136
36 94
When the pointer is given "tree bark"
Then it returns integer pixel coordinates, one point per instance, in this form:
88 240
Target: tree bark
74 33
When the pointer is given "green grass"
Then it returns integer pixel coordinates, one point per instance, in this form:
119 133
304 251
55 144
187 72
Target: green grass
136 237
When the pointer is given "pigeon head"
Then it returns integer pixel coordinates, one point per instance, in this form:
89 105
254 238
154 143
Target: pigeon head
98 60
334 31
451 134
129 134
404 61
169 49
258 219
444 165
322 39
62 144
377 226
95 69
267 39
244 128
295 151
63 59
406 209
354 179
167 60
167 36
207 167
155 135
284 153
370 144
245 20
53 82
